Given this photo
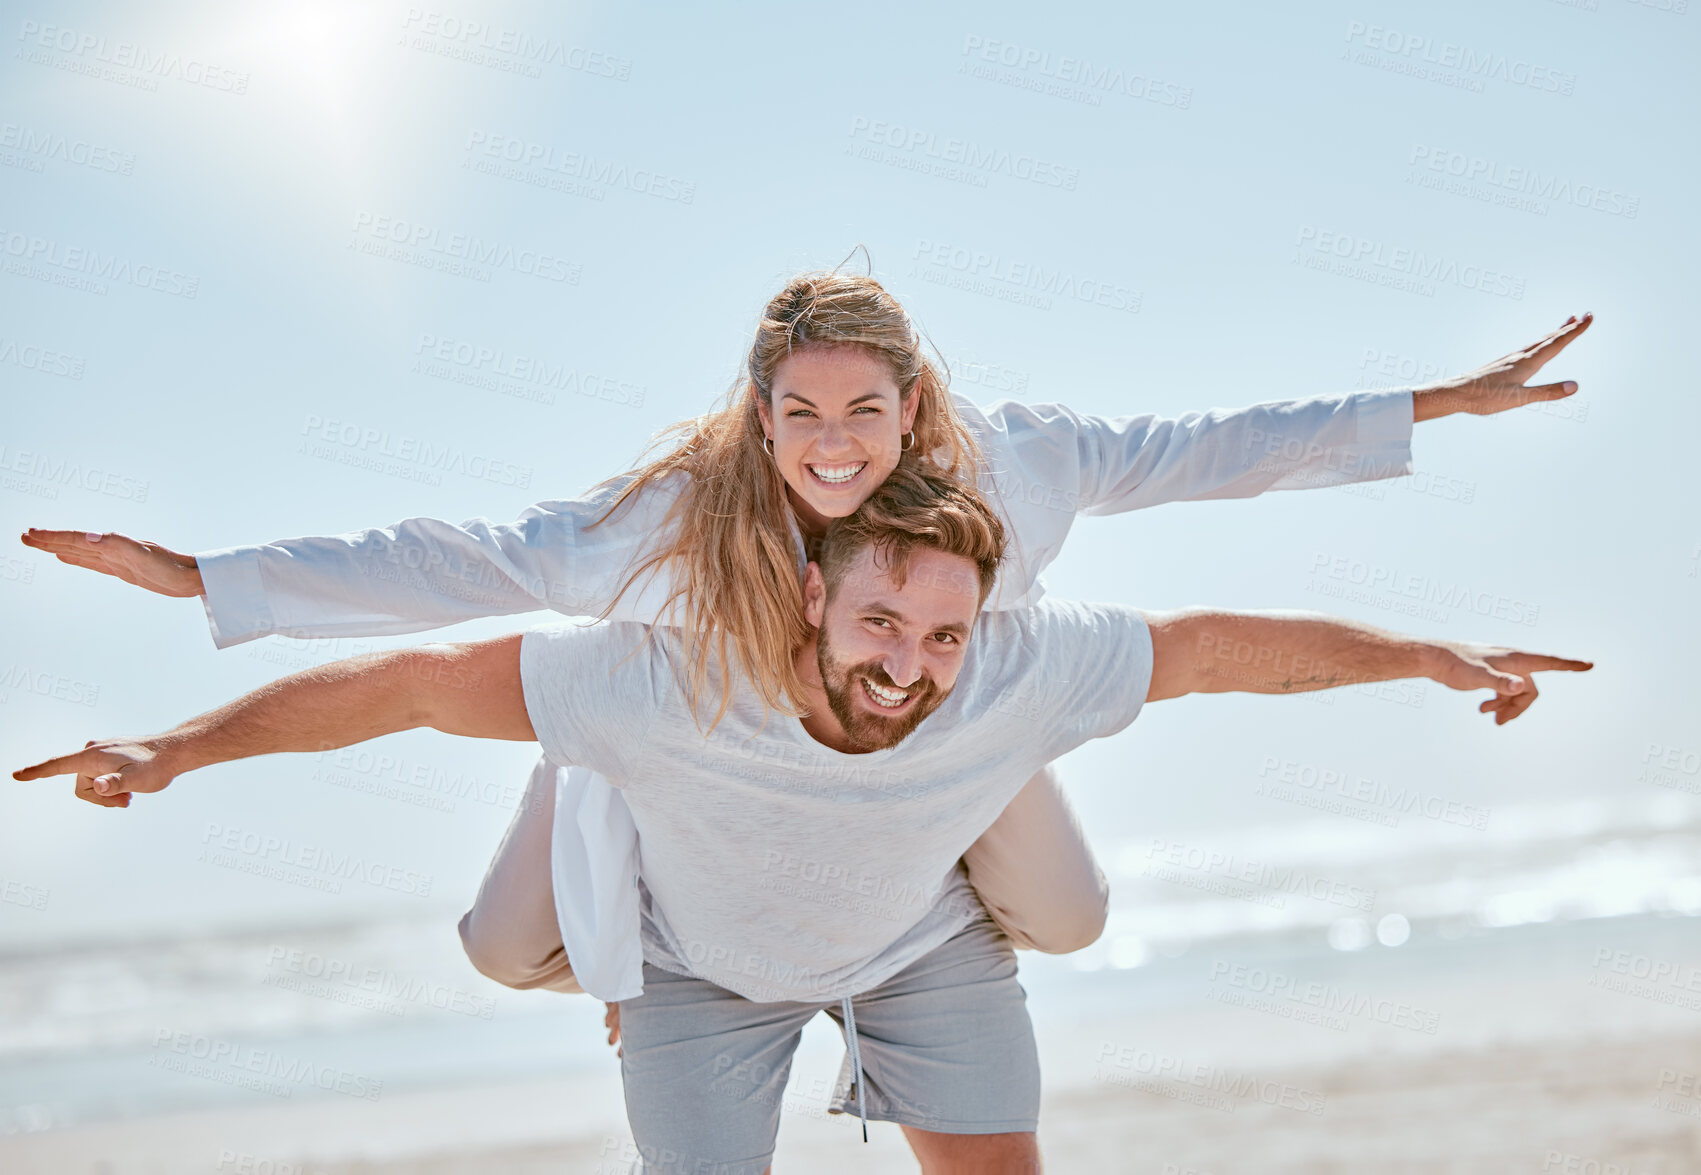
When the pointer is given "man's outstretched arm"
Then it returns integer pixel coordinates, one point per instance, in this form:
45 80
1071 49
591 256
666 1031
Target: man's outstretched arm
1202 650
471 689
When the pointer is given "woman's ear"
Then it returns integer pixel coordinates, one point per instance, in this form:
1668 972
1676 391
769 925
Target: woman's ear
907 416
767 419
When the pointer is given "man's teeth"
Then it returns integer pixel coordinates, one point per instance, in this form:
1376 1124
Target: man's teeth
890 698
837 474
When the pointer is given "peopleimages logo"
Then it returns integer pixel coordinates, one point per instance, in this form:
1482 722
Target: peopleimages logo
1344 569
1174 860
39 145
312 866
1469 63
1016 280
258 1069
92 263
478 42
128 55
512 373
1076 72
1283 992
975 157
34 358
1178 1071
399 454
1399 265
464 247
1523 181
576 165
52 472
1395 800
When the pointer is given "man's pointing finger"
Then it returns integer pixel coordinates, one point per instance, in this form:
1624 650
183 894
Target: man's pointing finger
1539 661
85 762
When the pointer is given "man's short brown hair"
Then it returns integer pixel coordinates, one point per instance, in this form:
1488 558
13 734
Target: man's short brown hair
912 509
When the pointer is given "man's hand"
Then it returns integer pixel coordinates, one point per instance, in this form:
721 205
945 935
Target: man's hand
1463 666
472 689
1495 387
146 565
108 770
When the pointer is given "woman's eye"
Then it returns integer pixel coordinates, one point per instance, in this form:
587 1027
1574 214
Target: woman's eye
867 408
800 412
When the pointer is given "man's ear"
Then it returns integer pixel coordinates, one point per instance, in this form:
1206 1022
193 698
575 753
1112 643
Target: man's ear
814 595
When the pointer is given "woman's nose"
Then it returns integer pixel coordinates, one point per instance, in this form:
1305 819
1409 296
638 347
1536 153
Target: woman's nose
833 438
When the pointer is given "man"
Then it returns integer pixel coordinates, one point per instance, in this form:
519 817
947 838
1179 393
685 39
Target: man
792 866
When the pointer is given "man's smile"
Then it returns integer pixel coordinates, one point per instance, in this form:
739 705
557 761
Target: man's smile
886 698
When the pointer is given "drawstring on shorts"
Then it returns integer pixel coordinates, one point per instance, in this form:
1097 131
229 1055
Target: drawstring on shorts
857 1086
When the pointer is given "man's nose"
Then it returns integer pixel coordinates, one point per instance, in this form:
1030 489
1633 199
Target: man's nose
903 666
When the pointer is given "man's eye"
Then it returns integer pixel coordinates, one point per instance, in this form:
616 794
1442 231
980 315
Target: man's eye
878 620
945 638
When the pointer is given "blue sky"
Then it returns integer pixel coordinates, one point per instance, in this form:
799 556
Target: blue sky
1244 186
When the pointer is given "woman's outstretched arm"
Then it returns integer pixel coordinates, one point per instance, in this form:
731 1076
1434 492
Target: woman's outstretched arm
1063 461
416 574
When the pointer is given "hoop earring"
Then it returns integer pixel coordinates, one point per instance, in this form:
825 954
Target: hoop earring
768 445
903 448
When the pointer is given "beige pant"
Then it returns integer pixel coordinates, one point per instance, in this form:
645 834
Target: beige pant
1032 868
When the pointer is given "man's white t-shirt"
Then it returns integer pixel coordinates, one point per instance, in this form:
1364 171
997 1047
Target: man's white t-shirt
782 869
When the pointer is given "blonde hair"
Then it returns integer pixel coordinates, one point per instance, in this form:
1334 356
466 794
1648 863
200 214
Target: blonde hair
726 543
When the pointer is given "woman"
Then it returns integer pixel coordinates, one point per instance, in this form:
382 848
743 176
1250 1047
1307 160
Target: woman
712 536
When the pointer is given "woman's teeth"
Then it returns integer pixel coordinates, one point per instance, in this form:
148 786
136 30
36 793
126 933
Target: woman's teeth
837 474
889 699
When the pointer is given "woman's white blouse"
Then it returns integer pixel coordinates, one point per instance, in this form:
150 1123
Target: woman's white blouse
1045 465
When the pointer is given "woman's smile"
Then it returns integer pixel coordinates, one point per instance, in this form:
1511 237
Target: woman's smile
836 475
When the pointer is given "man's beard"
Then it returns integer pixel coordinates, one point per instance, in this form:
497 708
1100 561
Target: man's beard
870 731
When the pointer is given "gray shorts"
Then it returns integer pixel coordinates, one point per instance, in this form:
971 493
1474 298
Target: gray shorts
946 1044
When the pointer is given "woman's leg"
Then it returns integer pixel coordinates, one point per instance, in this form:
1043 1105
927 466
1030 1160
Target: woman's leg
511 933
1035 874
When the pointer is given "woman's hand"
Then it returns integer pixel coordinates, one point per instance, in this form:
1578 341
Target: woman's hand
1495 387
611 1021
146 565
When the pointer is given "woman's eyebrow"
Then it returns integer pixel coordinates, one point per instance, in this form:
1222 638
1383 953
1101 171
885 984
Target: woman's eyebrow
852 404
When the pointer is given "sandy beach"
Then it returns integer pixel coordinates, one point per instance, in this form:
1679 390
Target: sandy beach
1563 1049
1586 1107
